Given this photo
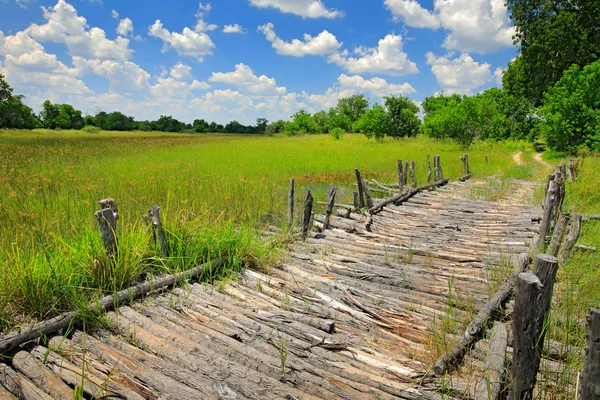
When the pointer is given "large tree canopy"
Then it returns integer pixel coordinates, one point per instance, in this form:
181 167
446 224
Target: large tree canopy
13 113
552 35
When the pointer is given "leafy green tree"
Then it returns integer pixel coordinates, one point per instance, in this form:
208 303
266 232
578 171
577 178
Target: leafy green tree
353 107
321 119
275 127
293 128
261 125
305 122
61 116
337 133
552 35
336 119
167 123
433 103
514 118
373 123
571 110
200 126
402 116
13 113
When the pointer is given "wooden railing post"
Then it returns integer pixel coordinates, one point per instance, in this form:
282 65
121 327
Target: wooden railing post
572 237
549 207
158 232
107 222
557 235
590 376
290 218
400 176
361 195
527 325
355 201
486 160
428 169
307 219
545 268
368 199
405 175
571 171
413 178
332 194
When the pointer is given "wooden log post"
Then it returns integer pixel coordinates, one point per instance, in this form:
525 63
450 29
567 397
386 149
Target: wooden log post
107 222
158 232
361 195
486 160
590 376
306 221
400 176
436 174
466 162
549 207
489 385
550 179
329 211
429 173
572 237
405 174
527 325
413 178
290 219
440 168
571 171
559 179
557 235
355 202
545 268
368 199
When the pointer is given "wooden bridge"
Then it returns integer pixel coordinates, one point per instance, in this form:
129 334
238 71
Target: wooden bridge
350 314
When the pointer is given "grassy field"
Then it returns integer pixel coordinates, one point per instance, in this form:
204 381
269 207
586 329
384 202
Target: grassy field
215 193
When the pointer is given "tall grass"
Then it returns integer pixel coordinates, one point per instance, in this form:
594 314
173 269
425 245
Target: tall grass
214 191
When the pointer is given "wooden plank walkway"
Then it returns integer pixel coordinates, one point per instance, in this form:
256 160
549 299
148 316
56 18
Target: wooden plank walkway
348 315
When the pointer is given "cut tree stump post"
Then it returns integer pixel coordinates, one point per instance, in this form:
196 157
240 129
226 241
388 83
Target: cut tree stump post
590 376
527 326
330 206
107 222
572 237
557 235
361 195
400 176
413 178
436 173
545 269
440 168
466 163
158 232
571 171
368 199
355 200
429 173
549 207
486 160
489 385
405 174
550 179
291 204
559 180
306 221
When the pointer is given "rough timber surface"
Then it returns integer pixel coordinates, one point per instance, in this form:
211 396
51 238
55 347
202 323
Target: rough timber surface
348 315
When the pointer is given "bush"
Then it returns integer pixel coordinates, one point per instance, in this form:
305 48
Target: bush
373 123
91 129
337 133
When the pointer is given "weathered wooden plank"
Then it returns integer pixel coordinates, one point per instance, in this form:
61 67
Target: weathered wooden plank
41 376
490 384
20 386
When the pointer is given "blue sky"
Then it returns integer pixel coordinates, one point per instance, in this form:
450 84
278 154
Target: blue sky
244 59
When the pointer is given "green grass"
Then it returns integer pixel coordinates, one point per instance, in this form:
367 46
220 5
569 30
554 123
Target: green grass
215 193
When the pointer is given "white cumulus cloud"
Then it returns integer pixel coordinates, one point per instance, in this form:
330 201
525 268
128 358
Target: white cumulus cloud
387 58
235 28
125 27
459 75
376 86
303 8
322 44
187 43
479 26
246 80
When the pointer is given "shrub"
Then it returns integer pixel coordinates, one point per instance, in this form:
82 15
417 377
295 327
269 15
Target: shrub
337 133
91 129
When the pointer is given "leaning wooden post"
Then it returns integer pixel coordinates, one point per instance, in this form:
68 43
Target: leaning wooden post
400 176
291 204
157 231
557 235
571 171
361 195
306 221
355 201
590 376
489 385
368 200
413 178
527 325
107 222
405 172
545 269
428 169
329 208
549 206
572 237
466 162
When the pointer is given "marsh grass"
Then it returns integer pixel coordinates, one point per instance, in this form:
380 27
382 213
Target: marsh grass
215 192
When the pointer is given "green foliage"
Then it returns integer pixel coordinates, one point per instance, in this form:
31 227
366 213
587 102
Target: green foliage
305 123
275 127
61 116
293 128
91 129
434 103
514 118
13 113
337 133
352 107
336 119
402 116
571 110
114 121
374 123
321 119
552 36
